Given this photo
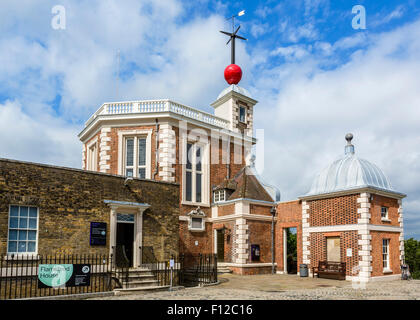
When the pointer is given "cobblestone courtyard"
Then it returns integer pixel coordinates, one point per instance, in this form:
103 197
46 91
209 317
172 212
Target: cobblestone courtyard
285 287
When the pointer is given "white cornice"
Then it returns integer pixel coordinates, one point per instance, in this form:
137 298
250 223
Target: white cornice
84 134
354 227
233 94
385 193
246 216
247 265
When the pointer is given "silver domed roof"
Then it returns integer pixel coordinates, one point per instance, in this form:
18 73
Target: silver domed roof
349 172
235 88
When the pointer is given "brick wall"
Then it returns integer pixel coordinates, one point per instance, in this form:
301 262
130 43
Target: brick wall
188 239
377 261
259 209
377 203
69 199
348 239
226 210
333 211
260 233
248 271
289 215
114 146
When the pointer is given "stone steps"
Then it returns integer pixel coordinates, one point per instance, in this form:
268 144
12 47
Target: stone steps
221 270
140 279
141 284
140 289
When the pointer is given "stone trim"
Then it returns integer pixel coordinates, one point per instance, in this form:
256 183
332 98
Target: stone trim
401 239
243 215
104 147
365 254
354 227
83 157
241 245
305 234
247 265
167 152
358 190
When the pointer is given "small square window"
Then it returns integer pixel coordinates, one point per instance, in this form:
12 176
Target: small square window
196 224
219 195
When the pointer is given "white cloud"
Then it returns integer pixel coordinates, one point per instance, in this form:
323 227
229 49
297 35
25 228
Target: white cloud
295 52
379 19
306 31
375 96
43 139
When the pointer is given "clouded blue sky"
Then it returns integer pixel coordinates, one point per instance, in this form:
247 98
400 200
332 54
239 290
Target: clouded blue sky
315 77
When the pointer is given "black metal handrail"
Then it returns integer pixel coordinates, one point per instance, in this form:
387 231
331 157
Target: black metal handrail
121 265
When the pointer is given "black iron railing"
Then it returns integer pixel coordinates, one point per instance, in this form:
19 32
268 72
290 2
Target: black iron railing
186 270
165 270
198 269
19 275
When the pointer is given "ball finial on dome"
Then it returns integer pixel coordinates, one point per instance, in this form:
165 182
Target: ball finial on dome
349 137
349 148
233 74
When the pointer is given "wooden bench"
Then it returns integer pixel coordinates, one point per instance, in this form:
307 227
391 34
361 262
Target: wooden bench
330 270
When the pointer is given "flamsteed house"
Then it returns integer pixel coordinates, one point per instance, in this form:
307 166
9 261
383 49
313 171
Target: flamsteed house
164 175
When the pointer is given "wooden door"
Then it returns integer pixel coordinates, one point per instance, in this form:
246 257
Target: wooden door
333 249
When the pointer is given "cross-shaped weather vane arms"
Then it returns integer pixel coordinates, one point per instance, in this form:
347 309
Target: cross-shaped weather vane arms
233 36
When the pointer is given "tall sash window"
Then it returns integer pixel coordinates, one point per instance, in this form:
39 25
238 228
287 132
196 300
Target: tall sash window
135 157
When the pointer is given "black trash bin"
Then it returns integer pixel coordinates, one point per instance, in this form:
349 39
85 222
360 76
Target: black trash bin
405 272
303 270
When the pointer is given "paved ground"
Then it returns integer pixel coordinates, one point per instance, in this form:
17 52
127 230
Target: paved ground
285 287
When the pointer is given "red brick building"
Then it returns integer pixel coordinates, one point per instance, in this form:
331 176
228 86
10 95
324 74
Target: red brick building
351 213
224 207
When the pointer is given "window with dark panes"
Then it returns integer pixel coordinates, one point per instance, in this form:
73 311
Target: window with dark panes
242 115
194 173
135 157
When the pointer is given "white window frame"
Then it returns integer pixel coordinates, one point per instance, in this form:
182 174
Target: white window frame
385 255
27 229
204 173
217 195
92 155
190 224
136 135
386 218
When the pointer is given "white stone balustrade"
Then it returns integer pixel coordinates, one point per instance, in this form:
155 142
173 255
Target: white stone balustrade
156 106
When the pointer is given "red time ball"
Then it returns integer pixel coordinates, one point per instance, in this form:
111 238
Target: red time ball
233 74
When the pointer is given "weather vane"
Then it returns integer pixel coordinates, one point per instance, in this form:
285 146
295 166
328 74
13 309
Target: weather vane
233 72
